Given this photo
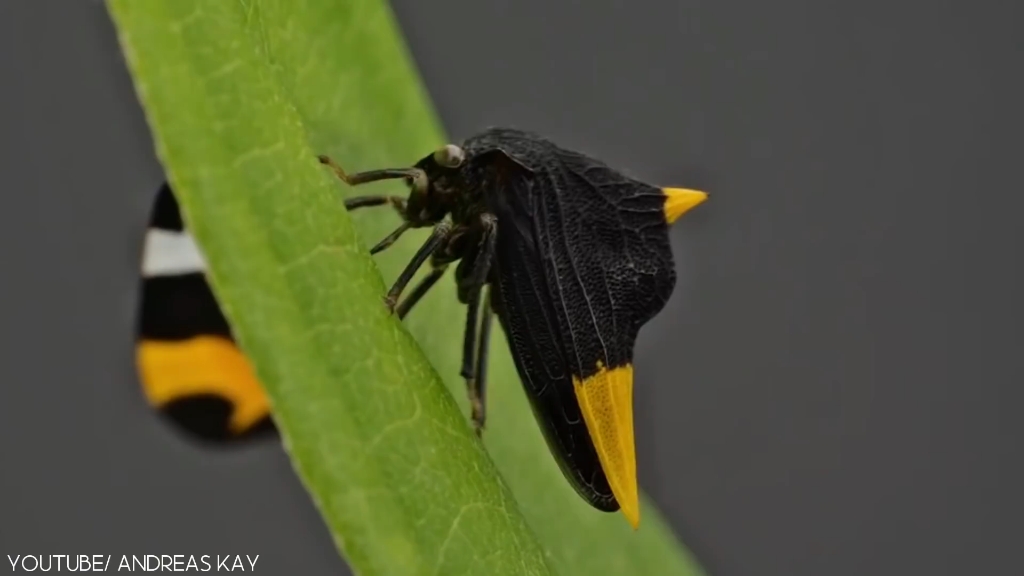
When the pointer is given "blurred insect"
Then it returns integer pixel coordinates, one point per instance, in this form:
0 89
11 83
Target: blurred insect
572 256
188 363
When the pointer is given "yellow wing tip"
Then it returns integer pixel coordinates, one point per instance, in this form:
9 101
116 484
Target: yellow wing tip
606 401
631 510
679 201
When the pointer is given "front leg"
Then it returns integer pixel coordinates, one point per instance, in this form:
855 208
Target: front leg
437 239
444 255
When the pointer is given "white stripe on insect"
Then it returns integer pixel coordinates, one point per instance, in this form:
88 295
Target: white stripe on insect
169 253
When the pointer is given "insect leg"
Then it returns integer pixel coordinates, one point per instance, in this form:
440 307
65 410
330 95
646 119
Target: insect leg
391 238
485 254
437 237
474 284
365 201
470 287
421 290
477 393
469 337
442 257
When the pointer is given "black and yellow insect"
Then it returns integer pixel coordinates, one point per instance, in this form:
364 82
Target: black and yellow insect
187 360
572 256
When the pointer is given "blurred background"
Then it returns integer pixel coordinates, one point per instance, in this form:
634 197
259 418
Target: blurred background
833 388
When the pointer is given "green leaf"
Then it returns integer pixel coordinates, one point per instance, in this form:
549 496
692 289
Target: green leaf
241 96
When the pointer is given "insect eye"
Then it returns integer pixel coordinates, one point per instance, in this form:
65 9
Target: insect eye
418 182
450 156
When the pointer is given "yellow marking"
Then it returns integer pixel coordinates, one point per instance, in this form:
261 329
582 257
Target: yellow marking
202 365
606 400
678 201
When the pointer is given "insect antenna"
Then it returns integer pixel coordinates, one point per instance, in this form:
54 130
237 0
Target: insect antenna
414 174
370 175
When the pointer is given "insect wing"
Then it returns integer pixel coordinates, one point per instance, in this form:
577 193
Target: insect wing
528 317
584 261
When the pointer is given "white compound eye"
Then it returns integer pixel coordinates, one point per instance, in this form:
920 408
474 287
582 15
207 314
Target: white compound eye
449 156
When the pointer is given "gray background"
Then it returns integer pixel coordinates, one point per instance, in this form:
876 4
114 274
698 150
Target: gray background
832 389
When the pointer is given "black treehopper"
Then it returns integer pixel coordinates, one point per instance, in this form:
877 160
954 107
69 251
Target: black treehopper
573 258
